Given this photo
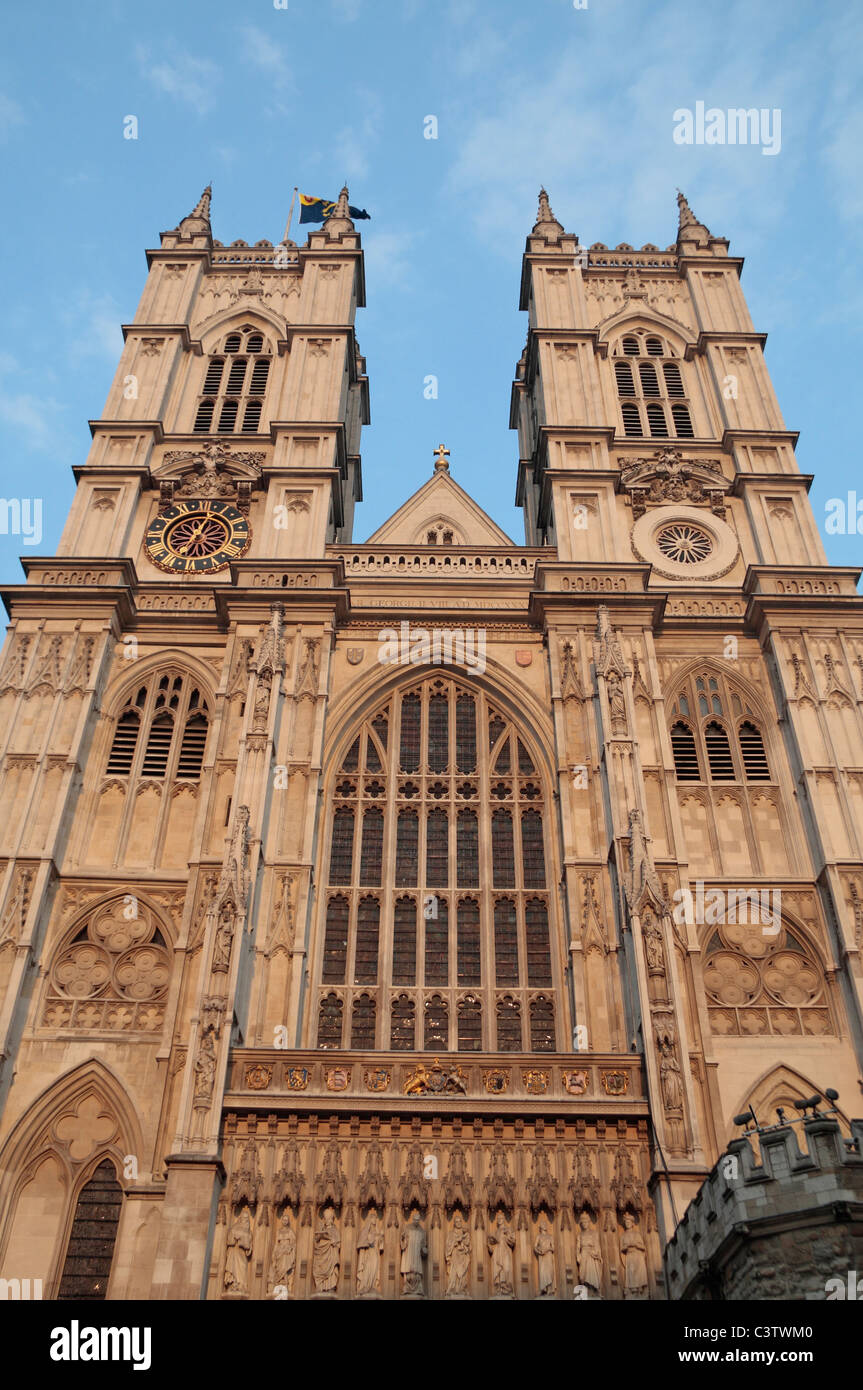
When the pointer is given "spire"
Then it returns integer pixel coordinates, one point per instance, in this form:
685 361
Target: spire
197 222
686 217
339 220
546 223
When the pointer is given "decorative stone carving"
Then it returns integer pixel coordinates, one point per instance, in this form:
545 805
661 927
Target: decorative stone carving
205 1071
588 1254
667 477
570 681
239 1253
288 1181
543 1248
247 1181
414 1250
373 1181
118 963
501 1242
215 471
327 1254
307 676
435 1080
330 1186
457 1257
644 881
284 1256
499 1188
542 1189
370 1244
633 1257
458 1184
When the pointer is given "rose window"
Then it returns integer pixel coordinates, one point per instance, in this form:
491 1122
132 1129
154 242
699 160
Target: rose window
118 962
760 981
684 543
82 971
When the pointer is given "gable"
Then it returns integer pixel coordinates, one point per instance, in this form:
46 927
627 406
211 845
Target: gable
440 504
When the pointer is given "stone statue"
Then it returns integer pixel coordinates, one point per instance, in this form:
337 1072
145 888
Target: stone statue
616 702
325 1261
501 1242
588 1255
224 939
205 1071
632 1252
544 1251
457 1254
653 945
239 1253
670 1079
370 1244
414 1248
284 1255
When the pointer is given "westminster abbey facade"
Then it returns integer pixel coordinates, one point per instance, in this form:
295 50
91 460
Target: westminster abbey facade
411 918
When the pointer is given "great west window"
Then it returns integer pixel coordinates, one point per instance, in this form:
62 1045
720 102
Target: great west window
437 932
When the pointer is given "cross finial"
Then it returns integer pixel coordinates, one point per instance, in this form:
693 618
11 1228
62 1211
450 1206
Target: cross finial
441 464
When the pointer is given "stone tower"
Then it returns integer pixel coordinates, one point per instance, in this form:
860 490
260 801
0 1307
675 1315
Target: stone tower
409 918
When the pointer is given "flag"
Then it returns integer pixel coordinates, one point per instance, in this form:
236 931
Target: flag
317 209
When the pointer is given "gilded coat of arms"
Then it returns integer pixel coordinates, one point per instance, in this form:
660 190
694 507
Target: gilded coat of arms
338 1078
435 1080
575 1082
258 1077
535 1082
377 1078
496 1080
297 1078
614 1083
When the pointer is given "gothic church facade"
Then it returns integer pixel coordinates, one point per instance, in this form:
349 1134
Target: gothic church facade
358 901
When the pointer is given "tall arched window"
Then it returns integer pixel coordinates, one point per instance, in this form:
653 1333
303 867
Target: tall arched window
715 735
650 387
162 732
437 898
235 384
90 1252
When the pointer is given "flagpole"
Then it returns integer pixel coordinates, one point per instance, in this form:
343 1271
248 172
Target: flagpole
290 216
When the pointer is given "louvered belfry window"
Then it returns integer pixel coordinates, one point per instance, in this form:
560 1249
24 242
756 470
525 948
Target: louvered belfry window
234 385
652 393
162 731
437 907
715 734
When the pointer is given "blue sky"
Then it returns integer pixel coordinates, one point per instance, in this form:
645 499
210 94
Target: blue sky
258 99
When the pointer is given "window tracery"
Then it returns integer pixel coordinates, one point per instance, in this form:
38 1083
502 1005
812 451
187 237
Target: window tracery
437 905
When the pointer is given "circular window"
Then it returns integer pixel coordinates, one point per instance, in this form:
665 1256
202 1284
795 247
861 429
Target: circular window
684 543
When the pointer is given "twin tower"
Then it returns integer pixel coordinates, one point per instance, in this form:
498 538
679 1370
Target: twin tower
410 918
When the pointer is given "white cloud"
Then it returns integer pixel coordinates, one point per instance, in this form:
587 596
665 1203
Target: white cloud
93 322
388 256
181 75
260 49
353 144
34 419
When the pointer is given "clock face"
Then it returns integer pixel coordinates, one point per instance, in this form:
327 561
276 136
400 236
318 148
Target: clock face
197 537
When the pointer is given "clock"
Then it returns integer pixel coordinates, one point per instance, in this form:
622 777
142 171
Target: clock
197 537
